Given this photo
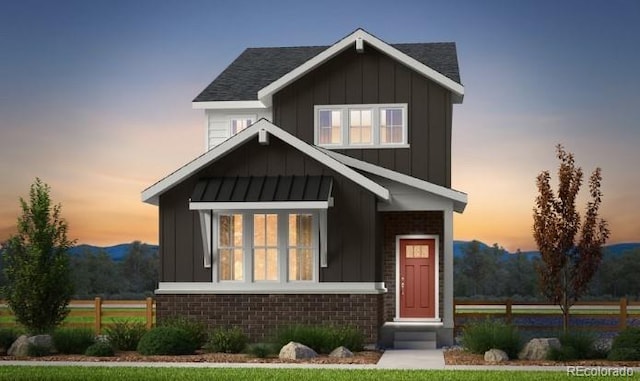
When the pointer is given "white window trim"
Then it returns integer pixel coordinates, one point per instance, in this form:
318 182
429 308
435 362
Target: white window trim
319 259
250 117
375 125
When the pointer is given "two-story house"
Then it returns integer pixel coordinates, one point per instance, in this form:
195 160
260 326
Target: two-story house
324 195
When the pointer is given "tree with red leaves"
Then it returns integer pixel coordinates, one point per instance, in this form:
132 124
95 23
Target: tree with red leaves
567 266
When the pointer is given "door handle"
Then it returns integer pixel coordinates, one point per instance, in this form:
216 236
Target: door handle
402 286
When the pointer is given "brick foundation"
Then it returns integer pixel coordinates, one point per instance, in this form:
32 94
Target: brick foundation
406 223
259 315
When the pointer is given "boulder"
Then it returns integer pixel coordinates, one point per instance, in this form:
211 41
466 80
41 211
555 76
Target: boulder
495 356
296 351
538 349
20 347
341 352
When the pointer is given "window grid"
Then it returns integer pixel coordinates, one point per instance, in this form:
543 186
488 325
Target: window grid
360 126
301 247
231 247
265 247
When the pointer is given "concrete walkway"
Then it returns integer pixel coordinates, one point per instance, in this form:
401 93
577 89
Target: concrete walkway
407 359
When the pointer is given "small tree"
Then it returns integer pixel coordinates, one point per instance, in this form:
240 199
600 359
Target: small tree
38 285
567 266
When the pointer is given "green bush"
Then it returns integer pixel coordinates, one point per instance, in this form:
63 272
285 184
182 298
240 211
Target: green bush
481 336
322 339
125 335
226 340
34 350
99 349
196 329
7 337
624 354
626 346
575 346
166 341
72 340
261 350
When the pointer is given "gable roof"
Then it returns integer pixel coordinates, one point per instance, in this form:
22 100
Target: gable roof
260 72
152 194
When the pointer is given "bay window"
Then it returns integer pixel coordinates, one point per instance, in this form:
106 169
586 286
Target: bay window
280 246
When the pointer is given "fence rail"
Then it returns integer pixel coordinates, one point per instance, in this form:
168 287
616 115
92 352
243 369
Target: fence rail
602 316
96 313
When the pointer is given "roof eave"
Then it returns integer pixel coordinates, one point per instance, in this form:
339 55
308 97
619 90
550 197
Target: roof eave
265 94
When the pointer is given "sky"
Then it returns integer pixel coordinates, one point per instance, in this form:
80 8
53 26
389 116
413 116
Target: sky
95 99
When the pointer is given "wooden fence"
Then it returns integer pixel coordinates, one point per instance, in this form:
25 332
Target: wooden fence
97 313
535 316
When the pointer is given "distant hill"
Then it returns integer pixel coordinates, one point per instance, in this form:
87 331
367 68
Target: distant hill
615 249
116 252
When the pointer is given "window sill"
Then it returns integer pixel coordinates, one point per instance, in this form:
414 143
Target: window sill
386 146
297 287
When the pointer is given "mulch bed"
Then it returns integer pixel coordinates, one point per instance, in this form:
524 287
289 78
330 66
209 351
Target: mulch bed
458 356
365 357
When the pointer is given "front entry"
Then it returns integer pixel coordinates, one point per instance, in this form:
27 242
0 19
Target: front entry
417 278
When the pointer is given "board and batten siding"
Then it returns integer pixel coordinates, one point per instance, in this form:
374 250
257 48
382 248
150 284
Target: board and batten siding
219 121
374 78
353 252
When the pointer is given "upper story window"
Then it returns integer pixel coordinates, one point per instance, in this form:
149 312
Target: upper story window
238 124
361 126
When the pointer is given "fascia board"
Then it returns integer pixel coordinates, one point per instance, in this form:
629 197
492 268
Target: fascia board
264 94
216 105
459 198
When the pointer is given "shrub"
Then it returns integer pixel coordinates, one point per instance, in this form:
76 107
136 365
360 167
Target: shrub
125 335
99 349
7 337
564 353
72 340
166 341
227 340
582 343
261 350
481 336
34 350
626 346
322 339
196 329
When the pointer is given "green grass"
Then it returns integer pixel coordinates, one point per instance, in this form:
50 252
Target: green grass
135 315
41 373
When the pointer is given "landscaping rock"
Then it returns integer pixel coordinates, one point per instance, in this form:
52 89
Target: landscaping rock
538 349
20 347
495 356
341 352
296 351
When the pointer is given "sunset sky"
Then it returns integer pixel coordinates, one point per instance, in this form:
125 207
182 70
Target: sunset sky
95 98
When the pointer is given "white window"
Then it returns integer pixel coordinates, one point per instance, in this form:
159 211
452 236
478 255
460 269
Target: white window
230 246
361 126
277 247
237 124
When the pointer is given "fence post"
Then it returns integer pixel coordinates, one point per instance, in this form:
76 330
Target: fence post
623 313
149 312
98 315
508 311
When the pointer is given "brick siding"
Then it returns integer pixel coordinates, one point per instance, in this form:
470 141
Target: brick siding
259 315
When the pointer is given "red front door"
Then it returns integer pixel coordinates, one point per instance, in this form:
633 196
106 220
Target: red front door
417 278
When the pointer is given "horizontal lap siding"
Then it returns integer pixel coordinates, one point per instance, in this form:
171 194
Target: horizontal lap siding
372 77
351 236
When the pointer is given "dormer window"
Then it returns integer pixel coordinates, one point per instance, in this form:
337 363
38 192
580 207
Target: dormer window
238 124
361 126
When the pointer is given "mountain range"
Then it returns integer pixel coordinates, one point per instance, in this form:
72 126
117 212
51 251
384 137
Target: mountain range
118 252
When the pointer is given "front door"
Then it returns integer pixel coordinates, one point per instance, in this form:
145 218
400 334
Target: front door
417 278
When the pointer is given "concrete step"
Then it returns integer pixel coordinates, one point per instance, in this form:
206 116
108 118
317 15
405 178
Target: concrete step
414 340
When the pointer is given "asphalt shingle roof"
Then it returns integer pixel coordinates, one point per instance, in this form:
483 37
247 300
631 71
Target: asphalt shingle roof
256 68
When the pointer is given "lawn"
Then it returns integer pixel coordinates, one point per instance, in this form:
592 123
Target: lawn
41 373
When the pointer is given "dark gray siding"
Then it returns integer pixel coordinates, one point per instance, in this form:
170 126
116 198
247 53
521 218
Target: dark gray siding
351 234
373 77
